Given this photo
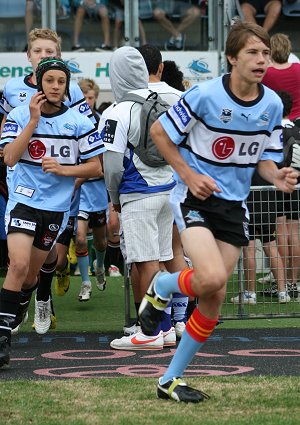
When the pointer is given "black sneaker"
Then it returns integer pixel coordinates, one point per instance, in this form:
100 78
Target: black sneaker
152 307
103 47
292 290
178 390
21 317
4 351
77 48
272 291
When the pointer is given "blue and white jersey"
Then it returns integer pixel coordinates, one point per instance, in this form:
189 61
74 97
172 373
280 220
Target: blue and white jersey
75 203
221 136
93 196
18 91
65 136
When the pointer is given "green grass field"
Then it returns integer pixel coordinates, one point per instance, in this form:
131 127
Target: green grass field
234 400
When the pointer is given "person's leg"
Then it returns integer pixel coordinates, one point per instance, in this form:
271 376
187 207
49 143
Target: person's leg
249 264
294 249
29 16
249 12
272 11
206 281
165 22
100 245
191 15
78 21
105 24
83 259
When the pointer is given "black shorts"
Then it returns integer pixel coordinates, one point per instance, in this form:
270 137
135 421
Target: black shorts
43 225
264 205
225 219
292 205
67 234
95 219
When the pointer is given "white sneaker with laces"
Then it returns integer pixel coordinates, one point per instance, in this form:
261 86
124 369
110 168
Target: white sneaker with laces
131 330
268 278
85 291
179 328
283 297
169 337
100 276
42 316
248 298
139 341
114 271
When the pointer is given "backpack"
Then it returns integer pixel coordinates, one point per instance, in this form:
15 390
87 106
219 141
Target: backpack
152 108
291 147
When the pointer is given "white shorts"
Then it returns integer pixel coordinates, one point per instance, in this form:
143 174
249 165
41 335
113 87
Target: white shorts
147 229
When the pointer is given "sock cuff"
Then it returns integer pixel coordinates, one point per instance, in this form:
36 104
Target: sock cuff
81 253
50 267
200 327
184 282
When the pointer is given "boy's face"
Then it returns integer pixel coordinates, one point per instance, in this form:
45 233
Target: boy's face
54 84
251 62
41 48
90 97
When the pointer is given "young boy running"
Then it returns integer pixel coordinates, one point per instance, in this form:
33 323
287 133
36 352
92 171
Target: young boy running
214 138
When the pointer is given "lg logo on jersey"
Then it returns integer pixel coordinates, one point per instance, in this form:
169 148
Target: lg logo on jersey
223 148
37 150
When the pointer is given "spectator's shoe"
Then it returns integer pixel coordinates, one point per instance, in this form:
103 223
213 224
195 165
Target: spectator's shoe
247 297
268 278
100 276
169 338
131 330
292 289
77 48
179 328
283 297
176 389
4 351
85 291
42 316
139 341
21 317
152 307
271 291
114 271
175 43
62 280
103 47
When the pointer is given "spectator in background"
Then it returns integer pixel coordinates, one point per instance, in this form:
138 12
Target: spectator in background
91 91
189 11
283 75
271 8
172 75
91 8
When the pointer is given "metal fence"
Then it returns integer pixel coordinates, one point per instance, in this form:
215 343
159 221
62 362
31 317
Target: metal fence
268 266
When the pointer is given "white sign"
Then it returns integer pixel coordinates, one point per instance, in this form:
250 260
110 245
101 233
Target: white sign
196 66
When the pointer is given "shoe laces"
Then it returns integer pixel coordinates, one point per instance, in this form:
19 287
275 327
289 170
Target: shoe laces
42 310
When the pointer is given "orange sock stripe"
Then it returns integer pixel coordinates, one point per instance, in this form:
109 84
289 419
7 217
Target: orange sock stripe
200 327
81 253
184 282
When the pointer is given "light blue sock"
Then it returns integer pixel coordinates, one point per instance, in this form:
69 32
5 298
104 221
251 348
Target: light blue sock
83 263
184 354
166 284
100 256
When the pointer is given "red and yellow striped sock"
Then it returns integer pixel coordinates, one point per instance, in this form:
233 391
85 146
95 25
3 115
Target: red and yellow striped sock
200 327
184 282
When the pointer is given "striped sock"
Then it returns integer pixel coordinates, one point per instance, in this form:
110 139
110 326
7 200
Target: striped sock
197 330
180 282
